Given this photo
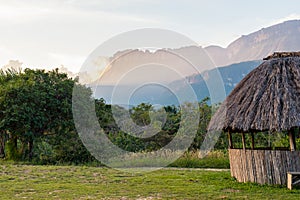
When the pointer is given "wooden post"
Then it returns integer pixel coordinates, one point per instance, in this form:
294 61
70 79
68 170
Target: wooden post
289 181
292 140
230 140
252 140
243 141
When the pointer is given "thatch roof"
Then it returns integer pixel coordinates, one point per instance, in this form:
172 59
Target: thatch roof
268 98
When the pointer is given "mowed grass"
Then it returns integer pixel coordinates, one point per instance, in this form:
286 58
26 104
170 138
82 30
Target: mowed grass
80 182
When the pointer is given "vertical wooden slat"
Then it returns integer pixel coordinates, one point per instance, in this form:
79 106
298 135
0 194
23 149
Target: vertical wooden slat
277 167
255 155
261 166
284 167
250 166
254 165
232 162
245 167
297 161
239 167
271 168
289 161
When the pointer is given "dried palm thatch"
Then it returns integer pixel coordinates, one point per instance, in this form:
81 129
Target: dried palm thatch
282 55
268 98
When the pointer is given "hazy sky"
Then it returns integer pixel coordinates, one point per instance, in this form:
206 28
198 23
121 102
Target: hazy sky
50 33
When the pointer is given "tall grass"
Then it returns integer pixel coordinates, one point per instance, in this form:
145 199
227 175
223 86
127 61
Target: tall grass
214 159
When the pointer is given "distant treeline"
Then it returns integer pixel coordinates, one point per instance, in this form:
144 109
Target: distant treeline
36 121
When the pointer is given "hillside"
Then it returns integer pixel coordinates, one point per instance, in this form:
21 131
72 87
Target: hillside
231 76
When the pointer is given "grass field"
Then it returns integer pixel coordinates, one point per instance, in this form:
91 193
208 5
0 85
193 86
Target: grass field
78 182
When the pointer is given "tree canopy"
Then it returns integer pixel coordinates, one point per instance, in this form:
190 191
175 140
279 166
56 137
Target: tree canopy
34 104
36 120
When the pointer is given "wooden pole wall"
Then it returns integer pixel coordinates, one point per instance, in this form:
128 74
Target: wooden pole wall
263 166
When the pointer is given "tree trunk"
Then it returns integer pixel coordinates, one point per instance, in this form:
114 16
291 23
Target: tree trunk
30 149
2 146
15 143
12 152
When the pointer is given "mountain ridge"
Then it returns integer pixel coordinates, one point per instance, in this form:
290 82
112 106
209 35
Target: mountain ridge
237 60
259 44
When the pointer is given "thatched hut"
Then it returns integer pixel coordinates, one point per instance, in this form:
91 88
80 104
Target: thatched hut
267 99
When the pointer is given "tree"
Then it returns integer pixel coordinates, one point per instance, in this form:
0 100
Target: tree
140 114
34 104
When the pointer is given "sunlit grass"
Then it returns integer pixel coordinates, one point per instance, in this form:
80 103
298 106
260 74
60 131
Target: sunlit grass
80 182
214 159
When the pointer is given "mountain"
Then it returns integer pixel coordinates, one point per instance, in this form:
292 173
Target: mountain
202 83
140 66
231 75
255 46
239 58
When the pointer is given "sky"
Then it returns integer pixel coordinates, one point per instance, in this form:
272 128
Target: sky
51 33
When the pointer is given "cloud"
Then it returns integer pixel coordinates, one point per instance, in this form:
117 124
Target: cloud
15 13
6 55
51 33
20 12
112 4
72 62
13 64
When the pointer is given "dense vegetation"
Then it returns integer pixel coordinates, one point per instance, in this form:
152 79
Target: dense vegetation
36 122
36 118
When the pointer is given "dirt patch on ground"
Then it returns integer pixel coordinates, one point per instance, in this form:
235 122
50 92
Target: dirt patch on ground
230 190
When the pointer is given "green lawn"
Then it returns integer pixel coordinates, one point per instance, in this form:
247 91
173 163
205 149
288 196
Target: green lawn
77 182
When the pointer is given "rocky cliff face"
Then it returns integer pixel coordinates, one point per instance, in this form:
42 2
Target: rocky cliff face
253 48
257 45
